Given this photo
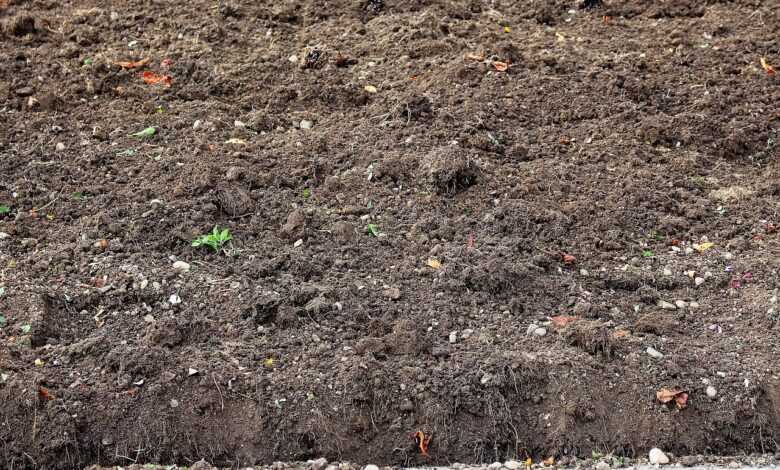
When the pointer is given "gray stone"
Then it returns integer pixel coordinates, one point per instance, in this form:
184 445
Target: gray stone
657 457
654 353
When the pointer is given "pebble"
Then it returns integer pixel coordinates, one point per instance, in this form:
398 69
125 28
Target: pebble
181 267
602 466
698 281
680 303
298 242
531 329
654 353
319 464
693 305
393 293
485 379
59 147
540 332
712 392
666 305
667 272
512 464
306 124
4 235
495 466
174 403
657 457
689 460
174 299
727 256
453 337
370 467
467 334
148 318
688 251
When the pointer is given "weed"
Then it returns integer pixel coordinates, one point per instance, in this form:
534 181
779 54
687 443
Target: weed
372 229
216 239
4 209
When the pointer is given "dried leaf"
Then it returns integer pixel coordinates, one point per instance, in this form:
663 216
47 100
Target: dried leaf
434 263
148 132
681 400
45 394
702 247
549 461
423 442
154 79
476 57
500 66
236 141
666 395
765 65
133 65
568 259
561 321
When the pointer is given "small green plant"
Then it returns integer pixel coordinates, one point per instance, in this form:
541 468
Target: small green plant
4 209
372 229
216 239
306 193
648 254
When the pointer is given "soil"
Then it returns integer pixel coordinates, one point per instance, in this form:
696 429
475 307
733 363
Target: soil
420 194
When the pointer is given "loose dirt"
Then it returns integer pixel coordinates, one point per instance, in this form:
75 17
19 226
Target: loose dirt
420 194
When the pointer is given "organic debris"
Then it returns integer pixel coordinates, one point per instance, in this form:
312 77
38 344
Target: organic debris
768 68
45 394
154 79
666 395
133 65
561 321
423 442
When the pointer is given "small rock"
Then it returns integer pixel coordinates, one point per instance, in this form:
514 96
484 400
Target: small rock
24 91
181 267
602 466
370 467
666 305
453 337
107 441
191 372
667 272
148 318
689 460
466 334
693 305
657 457
440 351
680 304
174 403
306 124
393 293
202 465
298 243
540 332
495 466
689 251
59 147
319 464
485 379
727 256
512 464
698 281
712 392
531 328
174 299
4 235
654 353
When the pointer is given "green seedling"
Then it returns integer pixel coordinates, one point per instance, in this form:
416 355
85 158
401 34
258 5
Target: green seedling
127 153
648 254
87 61
372 229
216 239
146 133
4 209
2 321
26 329
306 193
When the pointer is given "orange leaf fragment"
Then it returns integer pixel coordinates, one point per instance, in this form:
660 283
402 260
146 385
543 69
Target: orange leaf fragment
666 395
45 394
549 461
501 66
423 442
769 69
477 57
153 79
561 321
568 259
133 65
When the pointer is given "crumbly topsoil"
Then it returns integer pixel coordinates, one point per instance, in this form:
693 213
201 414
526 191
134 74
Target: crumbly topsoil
414 188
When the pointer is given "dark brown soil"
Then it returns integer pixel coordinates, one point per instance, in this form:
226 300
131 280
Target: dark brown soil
621 133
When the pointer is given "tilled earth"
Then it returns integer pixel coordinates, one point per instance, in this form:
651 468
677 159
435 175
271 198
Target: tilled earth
505 224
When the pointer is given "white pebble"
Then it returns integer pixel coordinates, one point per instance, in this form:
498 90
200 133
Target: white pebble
712 392
698 281
59 147
680 303
512 464
657 457
667 272
174 299
306 124
654 353
453 337
540 331
181 267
